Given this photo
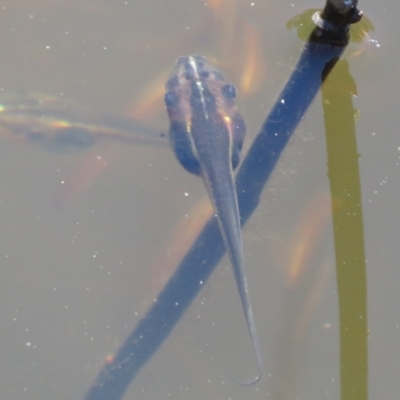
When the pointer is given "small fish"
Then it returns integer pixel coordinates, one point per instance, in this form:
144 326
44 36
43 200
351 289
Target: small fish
206 134
57 124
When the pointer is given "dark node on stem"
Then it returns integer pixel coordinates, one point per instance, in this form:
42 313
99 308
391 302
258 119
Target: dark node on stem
333 22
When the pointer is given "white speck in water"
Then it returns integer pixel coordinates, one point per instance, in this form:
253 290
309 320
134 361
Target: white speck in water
383 181
375 42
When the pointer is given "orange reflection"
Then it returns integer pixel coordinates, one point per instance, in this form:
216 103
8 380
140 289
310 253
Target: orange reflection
80 180
175 247
254 63
307 235
149 100
236 47
235 41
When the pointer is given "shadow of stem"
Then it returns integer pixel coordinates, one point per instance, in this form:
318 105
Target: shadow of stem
344 177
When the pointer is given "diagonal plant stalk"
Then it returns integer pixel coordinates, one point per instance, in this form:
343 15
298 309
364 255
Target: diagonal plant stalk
323 49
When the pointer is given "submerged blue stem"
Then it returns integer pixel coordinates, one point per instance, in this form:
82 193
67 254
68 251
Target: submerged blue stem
209 247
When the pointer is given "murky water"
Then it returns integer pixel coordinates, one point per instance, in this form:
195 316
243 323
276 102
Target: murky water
86 235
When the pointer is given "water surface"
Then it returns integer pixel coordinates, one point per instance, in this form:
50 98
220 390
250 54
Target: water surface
76 274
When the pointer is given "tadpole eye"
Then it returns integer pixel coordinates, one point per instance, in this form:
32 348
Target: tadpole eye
204 74
170 99
229 92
